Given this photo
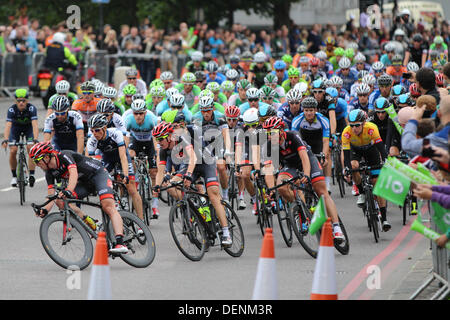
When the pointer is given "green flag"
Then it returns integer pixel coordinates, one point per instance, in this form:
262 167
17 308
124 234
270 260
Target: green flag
418 226
392 185
441 217
319 217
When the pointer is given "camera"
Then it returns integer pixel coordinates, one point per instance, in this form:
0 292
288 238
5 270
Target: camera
428 152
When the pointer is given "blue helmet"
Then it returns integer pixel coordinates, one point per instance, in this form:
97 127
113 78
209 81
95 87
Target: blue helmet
318 84
357 115
398 90
332 91
279 64
381 103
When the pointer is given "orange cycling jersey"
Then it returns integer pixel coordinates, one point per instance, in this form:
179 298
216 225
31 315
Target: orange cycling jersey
368 137
86 109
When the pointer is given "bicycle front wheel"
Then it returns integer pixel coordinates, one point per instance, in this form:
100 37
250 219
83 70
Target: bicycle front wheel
301 228
21 179
68 246
284 220
145 193
188 232
236 232
343 247
373 216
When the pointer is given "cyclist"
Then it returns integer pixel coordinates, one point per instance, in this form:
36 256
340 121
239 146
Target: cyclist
217 106
64 127
219 97
228 88
396 69
289 110
338 54
189 169
99 86
360 63
302 51
232 75
295 154
164 105
21 118
139 126
340 108
83 174
337 82
314 72
106 107
387 57
294 78
384 88
62 89
177 103
241 96
87 104
234 64
440 47
155 96
258 69
287 58
196 63
254 100
377 69
132 79
167 78
362 100
111 94
326 104
361 139
110 142
200 79
324 65
348 76
271 81
304 65
213 74
385 126
279 72
188 89
127 98
361 75
268 96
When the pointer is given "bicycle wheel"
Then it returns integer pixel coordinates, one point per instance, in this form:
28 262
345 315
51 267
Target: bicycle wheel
21 179
187 231
75 252
343 247
232 191
141 248
339 177
372 215
284 220
301 228
236 232
144 191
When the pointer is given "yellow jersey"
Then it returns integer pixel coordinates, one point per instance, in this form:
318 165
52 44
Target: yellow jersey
368 137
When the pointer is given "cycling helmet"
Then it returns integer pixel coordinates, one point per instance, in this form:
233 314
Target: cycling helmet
163 129
398 90
98 120
267 112
129 90
157 91
213 86
381 103
188 78
303 60
109 92
105 106
293 72
131 72
199 76
260 57
357 115
232 75
344 63
206 103
273 123
206 93
227 86
321 55
166 75
279 64
369 79
302 87
399 32
339 51
87 86
389 47
39 150
378 66
413 90
270 78
360 57
330 40
438 40
362 74
243 84
253 93
197 56
179 117
138 105
267 92
412 66
318 84
350 51
293 95
314 62
60 104
59 37
137 95
62 86
397 60
332 92
439 79
212 66
177 100
301 49
336 81
309 102
156 83
405 99
232 112
417 37
251 116
362 89
384 80
234 59
99 86
287 58
247 56
170 92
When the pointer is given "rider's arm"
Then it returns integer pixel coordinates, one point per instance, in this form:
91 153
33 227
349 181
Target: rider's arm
7 130
192 159
80 140
123 160
332 115
306 164
34 124
73 177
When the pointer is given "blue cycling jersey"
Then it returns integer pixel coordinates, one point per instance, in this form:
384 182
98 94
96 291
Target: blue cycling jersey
284 112
163 106
341 109
245 106
320 126
355 104
142 132
219 78
348 80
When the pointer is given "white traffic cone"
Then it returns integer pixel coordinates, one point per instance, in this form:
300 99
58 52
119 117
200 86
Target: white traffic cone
100 282
324 283
266 287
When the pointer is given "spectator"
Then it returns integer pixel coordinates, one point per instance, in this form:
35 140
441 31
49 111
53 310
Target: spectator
426 83
124 31
34 27
20 42
112 46
134 41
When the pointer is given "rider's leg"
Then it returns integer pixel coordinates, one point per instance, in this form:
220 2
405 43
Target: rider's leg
135 197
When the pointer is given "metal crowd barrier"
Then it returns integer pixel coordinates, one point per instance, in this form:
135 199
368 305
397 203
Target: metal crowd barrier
15 70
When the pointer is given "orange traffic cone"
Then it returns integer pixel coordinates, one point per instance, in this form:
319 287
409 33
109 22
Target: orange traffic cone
266 275
100 282
324 283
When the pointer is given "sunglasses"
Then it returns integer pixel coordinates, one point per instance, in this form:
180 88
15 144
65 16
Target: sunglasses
139 113
168 82
232 119
253 100
380 111
345 69
60 113
162 138
38 159
21 100
363 95
87 92
252 125
97 129
355 125
317 91
295 77
206 110
280 70
132 78
268 98
294 102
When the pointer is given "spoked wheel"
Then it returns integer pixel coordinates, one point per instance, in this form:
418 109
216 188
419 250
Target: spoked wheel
145 193
187 231
21 178
339 177
301 228
374 223
343 247
67 248
236 232
284 220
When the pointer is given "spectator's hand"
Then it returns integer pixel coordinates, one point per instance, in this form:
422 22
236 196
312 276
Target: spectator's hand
442 155
417 113
442 240
423 192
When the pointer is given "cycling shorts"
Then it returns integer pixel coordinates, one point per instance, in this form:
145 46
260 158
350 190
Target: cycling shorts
207 171
16 131
146 147
316 169
371 156
100 184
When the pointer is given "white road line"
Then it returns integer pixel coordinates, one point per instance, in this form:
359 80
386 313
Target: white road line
13 188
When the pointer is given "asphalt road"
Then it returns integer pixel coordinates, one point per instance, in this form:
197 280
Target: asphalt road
370 271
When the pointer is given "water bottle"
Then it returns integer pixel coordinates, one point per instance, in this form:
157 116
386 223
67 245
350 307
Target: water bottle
204 209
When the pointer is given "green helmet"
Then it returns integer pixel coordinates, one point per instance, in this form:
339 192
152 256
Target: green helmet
293 72
156 83
21 93
243 84
129 90
205 93
227 86
157 91
267 92
349 53
213 86
169 115
339 51
188 77
270 78
287 58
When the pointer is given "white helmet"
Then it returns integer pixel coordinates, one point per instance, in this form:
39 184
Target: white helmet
197 56
109 92
344 63
206 103
59 37
293 95
362 89
253 93
166 75
302 87
321 55
62 86
399 32
170 92
138 105
99 87
412 66
360 57
259 57
177 100
250 116
369 79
